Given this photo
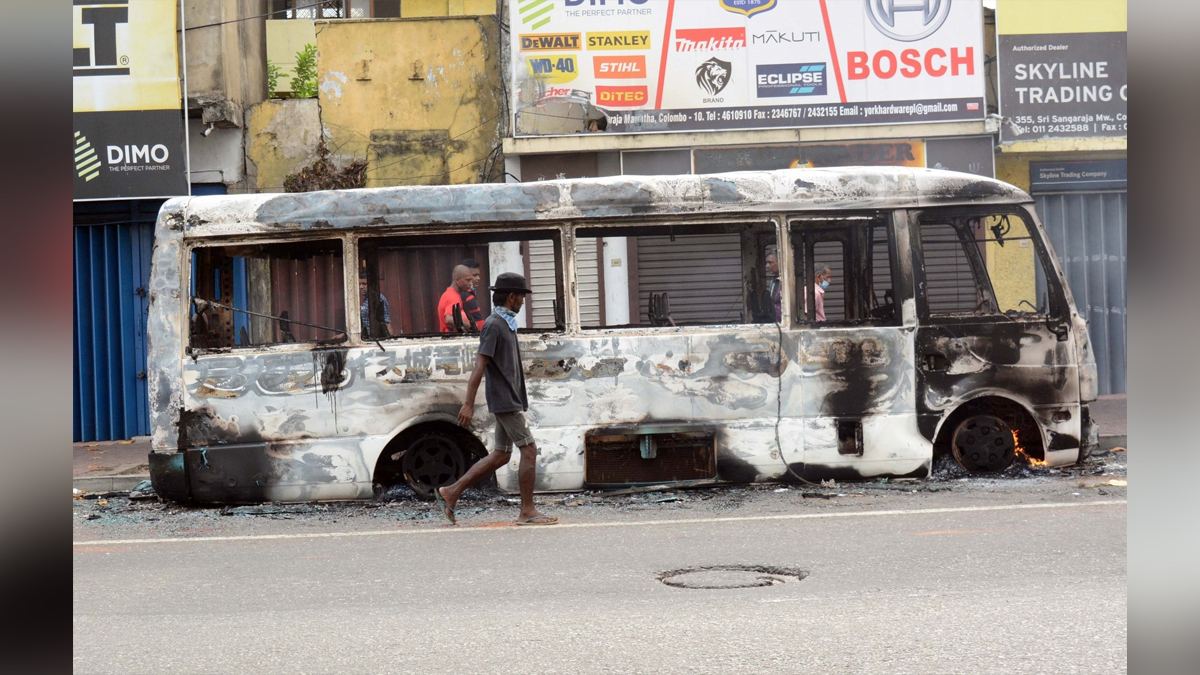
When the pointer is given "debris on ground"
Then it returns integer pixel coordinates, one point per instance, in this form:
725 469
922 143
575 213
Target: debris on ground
143 490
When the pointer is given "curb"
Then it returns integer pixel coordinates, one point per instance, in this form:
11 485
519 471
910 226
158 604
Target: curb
1110 442
108 483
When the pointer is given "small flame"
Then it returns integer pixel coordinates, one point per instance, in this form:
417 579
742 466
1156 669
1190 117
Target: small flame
1020 450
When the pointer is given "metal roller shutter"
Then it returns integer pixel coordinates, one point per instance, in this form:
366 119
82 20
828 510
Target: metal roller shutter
113 243
702 275
1089 234
587 274
949 281
543 283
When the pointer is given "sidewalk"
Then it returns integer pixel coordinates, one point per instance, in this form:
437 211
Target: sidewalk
111 465
120 465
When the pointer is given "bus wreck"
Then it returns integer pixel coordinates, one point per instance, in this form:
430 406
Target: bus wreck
780 326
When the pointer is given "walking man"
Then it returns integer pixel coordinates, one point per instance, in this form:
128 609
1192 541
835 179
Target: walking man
500 357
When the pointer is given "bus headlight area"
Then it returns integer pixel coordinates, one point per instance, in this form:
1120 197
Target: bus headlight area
783 326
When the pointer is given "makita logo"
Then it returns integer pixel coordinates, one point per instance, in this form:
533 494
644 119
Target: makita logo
709 39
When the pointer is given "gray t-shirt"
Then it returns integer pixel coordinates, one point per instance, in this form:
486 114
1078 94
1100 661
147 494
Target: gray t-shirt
504 385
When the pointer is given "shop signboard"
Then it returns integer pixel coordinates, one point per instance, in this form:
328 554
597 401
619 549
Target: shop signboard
768 157
1057 83
637 66
1079 176
128 126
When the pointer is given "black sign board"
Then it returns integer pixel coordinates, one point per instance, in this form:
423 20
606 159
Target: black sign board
1077 176
129 153
1065 85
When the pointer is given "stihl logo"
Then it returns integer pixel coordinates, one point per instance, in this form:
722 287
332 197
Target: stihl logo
621 97
619 67
709 39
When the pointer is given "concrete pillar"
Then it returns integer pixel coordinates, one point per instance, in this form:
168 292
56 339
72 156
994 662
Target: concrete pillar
615 268
505 256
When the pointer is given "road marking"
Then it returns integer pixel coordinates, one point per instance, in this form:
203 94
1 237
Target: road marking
485 527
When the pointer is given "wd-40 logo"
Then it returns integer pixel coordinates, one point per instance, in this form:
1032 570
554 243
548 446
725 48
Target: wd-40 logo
535 13
101 58
908 21
87 163
553 69
550 42
618 67
709 39
713 75
747 7
791 79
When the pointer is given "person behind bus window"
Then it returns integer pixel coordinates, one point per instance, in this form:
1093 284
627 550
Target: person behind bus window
453 296
470 301
822 275
776 291
365 314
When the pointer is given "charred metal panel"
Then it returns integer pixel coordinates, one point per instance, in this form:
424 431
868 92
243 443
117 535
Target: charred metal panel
611 197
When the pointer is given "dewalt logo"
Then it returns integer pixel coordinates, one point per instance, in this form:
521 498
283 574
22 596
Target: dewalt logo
626 39
550 42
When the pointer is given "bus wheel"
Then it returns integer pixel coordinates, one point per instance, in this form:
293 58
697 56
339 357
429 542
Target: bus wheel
432 461
983 443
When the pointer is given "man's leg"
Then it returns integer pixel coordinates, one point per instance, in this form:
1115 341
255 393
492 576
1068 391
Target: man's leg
525 478
478 471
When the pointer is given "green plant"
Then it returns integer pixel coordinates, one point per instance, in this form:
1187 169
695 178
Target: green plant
273 72
304 79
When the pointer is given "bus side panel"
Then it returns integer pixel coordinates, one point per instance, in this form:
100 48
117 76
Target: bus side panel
861 376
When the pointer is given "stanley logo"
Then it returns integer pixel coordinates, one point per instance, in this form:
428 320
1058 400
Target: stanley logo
86 161
618 67
550 42
628 39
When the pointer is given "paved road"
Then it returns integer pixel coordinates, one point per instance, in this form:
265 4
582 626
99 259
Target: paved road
934 586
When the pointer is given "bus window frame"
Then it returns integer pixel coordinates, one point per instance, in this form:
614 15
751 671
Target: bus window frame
798 223
190 245
1058 310
749 218
558 234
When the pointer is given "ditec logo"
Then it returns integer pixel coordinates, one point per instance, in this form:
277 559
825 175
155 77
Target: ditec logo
713 75
102 57
908 20
791 79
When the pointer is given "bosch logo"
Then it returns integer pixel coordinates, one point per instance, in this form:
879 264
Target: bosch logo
908 21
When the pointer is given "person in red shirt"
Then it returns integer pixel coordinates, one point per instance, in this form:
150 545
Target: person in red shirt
470 301
453 295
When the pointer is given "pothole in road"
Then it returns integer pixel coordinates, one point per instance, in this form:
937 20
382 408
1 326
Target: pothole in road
731 576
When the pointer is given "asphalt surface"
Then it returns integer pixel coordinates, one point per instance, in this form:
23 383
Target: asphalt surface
1023 573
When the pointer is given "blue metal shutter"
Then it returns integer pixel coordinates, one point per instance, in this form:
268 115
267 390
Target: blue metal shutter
1089 233
113 242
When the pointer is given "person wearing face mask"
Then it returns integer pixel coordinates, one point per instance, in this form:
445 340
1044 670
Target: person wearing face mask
821 277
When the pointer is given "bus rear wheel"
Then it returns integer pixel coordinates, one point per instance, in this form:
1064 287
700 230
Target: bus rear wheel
432 461
983 443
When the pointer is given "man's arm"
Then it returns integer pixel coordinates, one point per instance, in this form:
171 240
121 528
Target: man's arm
468 407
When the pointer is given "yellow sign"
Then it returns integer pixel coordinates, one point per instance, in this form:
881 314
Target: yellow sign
550 42
125 56
625 39
553 69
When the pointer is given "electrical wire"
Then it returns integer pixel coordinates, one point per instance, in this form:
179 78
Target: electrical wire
256 16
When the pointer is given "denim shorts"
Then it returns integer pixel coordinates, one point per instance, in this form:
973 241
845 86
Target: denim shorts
511 430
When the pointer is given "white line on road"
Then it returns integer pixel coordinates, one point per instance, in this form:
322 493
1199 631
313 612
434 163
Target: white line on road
489 527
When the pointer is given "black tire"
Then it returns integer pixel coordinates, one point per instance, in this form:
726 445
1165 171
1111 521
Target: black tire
432 461
983 444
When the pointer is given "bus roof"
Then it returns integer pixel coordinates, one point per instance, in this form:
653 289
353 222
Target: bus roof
586 198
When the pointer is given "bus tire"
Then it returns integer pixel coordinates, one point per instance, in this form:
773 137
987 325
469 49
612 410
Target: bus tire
432 460
983 443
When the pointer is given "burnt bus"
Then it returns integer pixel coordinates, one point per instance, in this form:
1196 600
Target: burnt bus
789 325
